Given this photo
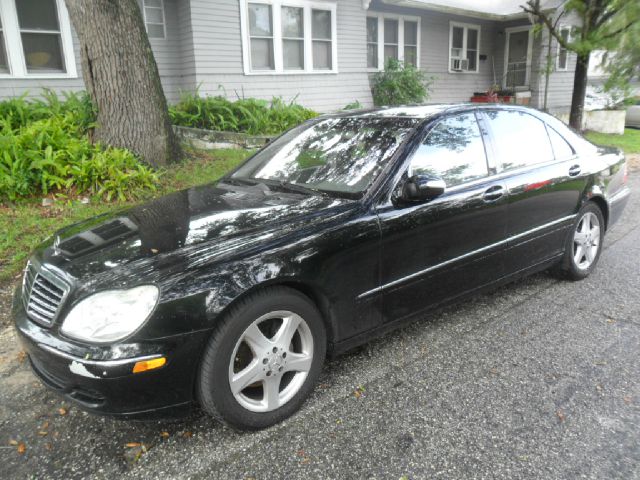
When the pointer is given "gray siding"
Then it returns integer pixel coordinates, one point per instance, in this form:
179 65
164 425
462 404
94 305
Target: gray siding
560 82
434 54
203 49
170 52
174 56
219 68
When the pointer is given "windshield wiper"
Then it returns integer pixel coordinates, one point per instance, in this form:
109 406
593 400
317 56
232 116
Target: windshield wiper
300 188
295 187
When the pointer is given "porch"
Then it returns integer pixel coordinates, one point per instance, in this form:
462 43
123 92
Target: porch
467 52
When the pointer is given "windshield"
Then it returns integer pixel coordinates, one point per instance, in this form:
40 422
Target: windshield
339 155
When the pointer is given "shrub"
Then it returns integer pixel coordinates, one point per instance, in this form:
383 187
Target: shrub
250 115
400 84
355 105
44 147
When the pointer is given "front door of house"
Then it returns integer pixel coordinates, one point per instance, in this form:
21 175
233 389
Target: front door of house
517 58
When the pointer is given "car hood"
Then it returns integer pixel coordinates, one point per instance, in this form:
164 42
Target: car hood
209 221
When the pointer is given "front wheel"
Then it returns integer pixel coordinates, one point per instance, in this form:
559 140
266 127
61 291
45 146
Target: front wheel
584 245
263 359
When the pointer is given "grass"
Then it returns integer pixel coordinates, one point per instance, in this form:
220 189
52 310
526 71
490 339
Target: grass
26 223
629 142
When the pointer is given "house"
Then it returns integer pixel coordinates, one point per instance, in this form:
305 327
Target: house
320 52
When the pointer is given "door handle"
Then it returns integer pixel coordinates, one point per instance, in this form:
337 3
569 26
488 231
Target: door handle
574 170
493 193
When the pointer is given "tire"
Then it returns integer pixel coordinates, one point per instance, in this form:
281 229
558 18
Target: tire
263 359
575 264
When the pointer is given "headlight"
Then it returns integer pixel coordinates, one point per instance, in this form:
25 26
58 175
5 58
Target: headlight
110 315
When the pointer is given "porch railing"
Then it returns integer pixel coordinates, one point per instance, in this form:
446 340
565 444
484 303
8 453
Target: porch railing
516 74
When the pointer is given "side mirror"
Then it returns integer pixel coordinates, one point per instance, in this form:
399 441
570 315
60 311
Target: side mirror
420 188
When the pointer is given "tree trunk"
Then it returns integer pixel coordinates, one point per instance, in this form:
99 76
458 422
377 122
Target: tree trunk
579 91
121 76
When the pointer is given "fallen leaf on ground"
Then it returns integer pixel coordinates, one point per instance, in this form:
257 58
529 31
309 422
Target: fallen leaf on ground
13 442
22 448
164 434
22 356
359 392
45 425
133 444
187 434
62 411
43 433
610 320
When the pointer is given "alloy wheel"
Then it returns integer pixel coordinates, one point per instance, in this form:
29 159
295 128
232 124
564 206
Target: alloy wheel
586 241
271 361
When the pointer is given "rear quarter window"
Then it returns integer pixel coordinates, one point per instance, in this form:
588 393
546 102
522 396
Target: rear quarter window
561 149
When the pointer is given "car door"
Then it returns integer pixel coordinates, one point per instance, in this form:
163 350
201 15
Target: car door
438 249
545 182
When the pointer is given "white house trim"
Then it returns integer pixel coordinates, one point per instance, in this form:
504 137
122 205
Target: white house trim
13 43
508 32
276 5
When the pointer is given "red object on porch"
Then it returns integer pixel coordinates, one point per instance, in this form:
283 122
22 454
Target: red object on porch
492 99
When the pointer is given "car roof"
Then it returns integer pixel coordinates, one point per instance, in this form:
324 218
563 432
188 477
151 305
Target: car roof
424 112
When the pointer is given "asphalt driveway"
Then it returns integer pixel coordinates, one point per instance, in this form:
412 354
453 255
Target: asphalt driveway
540 379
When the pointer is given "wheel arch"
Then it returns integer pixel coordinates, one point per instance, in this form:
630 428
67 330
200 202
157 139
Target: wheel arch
313 292
604 208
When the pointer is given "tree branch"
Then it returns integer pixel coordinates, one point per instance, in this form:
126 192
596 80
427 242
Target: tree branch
534 9
619 31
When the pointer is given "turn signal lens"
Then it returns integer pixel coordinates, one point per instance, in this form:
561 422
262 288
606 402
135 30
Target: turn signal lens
145 365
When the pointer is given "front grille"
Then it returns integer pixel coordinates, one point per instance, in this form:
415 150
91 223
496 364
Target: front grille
43 294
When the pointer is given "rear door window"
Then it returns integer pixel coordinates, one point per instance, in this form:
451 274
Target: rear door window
520 139
452 150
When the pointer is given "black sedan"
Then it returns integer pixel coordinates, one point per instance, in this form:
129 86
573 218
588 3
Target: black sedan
230 295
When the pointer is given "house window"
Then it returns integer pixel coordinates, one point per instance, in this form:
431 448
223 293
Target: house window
464 51
293 38
372 42
261 36
563 53
288 36
411 43
40 35
321 35
390 39
4 63
154 18
392 36
35 39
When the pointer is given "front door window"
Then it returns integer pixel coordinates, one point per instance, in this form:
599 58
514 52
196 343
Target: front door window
517 56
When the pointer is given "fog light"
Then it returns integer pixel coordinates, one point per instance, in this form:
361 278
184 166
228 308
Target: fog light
152 364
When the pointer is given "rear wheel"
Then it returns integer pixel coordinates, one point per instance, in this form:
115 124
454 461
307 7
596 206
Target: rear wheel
584 244
263 359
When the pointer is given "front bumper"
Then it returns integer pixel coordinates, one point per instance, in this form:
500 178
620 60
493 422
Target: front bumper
100 379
